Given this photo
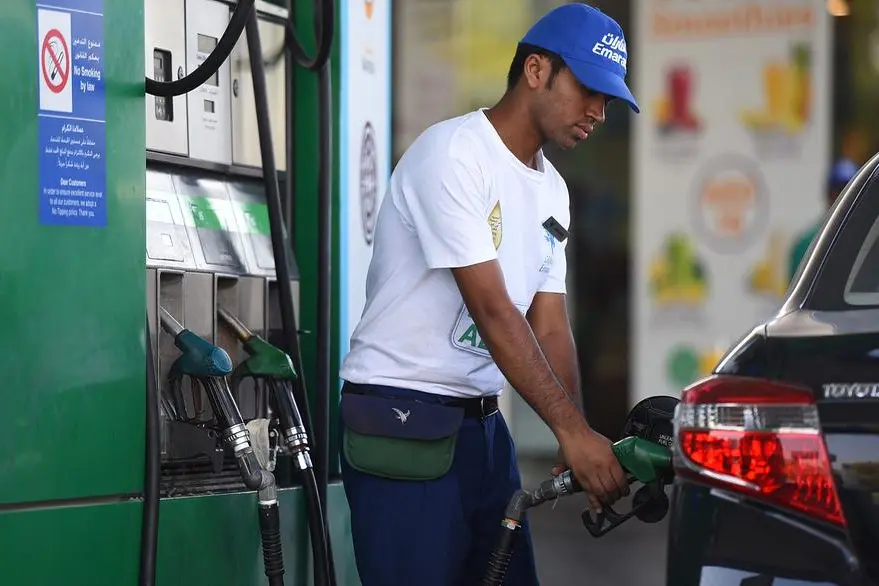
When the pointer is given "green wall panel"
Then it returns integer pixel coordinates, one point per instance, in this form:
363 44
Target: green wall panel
75 546
72 298
203 541
215 540
340 533
206 541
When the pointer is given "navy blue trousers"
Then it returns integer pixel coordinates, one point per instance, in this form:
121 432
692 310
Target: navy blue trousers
439 532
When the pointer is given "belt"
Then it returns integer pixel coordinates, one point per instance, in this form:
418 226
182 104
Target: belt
477 407
474 408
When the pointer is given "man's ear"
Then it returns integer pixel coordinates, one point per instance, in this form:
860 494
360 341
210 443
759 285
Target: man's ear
536 71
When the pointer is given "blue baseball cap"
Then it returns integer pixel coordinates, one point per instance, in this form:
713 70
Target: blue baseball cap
591 44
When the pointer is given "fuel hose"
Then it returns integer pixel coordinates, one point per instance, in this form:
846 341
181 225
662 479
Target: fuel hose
149 535
324 574
522 500
324 29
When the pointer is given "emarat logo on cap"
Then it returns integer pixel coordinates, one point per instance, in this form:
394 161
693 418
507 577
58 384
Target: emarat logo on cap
612 47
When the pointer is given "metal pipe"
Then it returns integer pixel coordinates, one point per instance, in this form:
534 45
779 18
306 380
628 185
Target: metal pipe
241 330
169 323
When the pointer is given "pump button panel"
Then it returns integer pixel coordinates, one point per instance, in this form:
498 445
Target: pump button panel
197 222
211 224
252 214
167 243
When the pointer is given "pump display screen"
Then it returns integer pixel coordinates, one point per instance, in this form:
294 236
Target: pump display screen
206 44
162 72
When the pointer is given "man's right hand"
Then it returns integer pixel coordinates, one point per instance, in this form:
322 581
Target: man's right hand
515 350
596 468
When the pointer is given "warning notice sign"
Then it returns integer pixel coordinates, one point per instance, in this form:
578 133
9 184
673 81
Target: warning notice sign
72 114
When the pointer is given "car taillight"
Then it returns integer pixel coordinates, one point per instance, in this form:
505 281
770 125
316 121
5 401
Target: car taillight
761 438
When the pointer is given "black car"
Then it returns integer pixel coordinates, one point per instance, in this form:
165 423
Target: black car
777 452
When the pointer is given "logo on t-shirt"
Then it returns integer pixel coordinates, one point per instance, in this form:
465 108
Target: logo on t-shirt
496 223
547 260
466 336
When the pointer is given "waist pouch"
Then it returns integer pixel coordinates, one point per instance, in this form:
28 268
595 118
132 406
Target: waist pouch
399 439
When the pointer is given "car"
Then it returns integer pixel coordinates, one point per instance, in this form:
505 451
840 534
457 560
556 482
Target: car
776 452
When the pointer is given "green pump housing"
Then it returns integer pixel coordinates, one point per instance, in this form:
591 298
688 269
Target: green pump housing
114 204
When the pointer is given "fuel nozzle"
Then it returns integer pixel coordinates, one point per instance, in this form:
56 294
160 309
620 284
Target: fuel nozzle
208 365
648 463
275 368
644 461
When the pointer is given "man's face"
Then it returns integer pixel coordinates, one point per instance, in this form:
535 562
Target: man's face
566 112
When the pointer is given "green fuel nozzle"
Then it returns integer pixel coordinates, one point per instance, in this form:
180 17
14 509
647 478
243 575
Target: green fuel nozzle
264 359
643 461
648 463
273 366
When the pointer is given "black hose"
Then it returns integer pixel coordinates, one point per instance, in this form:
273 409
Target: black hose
149 534
211 65
289 137
324 283
324 29
324 23
323 569
318 531
272 549
280 247
324 40
499 560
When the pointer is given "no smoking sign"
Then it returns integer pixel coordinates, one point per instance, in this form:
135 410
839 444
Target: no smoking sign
55 61
55 67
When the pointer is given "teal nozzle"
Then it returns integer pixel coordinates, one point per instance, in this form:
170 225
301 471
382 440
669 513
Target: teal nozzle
646 460
199 358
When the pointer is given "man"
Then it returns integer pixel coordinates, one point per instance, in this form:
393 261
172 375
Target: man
466 288
840 174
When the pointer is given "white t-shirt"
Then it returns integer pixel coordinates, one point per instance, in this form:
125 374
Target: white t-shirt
457 197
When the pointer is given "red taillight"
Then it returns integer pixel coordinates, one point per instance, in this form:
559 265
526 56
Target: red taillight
761 438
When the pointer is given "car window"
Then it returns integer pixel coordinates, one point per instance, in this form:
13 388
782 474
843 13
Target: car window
862 285
844 272
853 262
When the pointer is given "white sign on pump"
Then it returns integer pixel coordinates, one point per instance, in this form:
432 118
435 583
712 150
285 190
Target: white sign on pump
365 147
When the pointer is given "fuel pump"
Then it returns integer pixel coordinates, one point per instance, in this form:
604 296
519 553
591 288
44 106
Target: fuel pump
200 245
